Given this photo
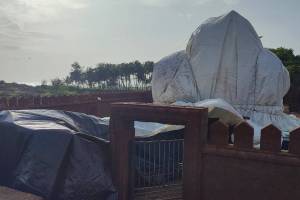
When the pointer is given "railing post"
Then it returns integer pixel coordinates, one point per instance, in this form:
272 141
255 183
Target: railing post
218 134
195 137
122 133
243 136
270 139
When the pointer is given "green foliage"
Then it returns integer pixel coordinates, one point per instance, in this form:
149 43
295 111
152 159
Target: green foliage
285 55
294 75
58 90
56 82
106 75
76 73
292 63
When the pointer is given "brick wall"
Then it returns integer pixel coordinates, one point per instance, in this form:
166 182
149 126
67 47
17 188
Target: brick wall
96 104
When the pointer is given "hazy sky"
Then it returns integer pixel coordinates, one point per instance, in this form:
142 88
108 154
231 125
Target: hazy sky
40 39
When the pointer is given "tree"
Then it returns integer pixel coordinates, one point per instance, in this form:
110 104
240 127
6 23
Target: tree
76 73
286 55
90 76
292 63
56 82
148 71
68 80
43 83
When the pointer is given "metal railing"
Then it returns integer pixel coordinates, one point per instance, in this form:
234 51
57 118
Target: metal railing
158 162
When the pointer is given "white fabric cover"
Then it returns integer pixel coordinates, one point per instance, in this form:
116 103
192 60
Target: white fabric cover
173 80
217 108
225 59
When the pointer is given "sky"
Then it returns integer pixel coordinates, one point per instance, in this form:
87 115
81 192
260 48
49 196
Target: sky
40 39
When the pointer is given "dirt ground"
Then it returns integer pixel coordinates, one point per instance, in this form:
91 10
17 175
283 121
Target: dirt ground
11 194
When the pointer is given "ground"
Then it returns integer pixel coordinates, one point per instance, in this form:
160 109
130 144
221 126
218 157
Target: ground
11 194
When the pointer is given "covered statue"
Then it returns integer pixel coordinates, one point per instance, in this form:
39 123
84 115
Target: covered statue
225 59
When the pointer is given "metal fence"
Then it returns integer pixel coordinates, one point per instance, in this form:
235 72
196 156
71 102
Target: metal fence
158 162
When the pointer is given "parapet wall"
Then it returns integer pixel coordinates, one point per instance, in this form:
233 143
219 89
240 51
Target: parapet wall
240 171
95 104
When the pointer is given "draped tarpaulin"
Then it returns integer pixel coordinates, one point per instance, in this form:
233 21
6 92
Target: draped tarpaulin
55 154
225 59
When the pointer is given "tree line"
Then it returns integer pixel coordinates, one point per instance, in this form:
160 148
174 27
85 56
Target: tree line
109 76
